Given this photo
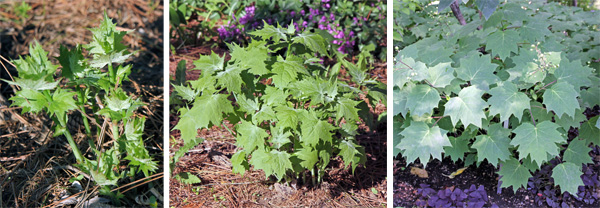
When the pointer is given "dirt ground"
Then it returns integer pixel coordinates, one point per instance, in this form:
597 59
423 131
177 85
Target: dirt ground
35 168
210 161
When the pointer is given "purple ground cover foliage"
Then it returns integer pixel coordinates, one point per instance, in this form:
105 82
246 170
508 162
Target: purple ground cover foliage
474 196
343 20
541 184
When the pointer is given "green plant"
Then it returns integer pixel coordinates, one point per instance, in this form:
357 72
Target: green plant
355 25
180 11
21 11
291 113
83 86
505 88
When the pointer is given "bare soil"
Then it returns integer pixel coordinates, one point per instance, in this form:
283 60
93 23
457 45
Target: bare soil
35 168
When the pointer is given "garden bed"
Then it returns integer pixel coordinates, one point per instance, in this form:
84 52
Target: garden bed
35 167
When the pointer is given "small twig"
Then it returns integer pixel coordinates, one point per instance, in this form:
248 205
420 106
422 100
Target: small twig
153 177
145 182
6 69
231 132
216 184
544 87
10 135
440 118
538 107
10 109
415 70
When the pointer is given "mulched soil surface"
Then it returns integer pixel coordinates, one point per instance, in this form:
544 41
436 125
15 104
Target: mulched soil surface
210 161
34 166
406 184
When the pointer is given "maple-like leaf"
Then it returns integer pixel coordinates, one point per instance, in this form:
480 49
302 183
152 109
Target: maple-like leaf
273 163
566 122
494 146
187 178
208 108
400 98
503 42
527 68
62 101
313 41
31 100
537 141
467 107
478 70
315 131
590 131
230 78
506 100
573 73
591 96
239 162
535 30
421 141
251 57
318 90
407 70
286 70
309 157
72 62
265 113
440 75
578 152
106 38
204 84
33 84
287 117
209 64
279 137
487 7
422 99
513 174
568 176
185 92
250 136
36 65
346 108
269 31
351 153
101 60
460 146
274 96
562 99
247 105
436 54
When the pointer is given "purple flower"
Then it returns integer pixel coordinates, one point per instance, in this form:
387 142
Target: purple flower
293 13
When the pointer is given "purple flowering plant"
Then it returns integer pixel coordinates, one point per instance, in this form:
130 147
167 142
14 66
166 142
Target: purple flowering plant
352 25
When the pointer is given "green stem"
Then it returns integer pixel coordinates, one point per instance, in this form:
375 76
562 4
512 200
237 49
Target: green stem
115 132
289 49
111 73
73 145
313 175
82 101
